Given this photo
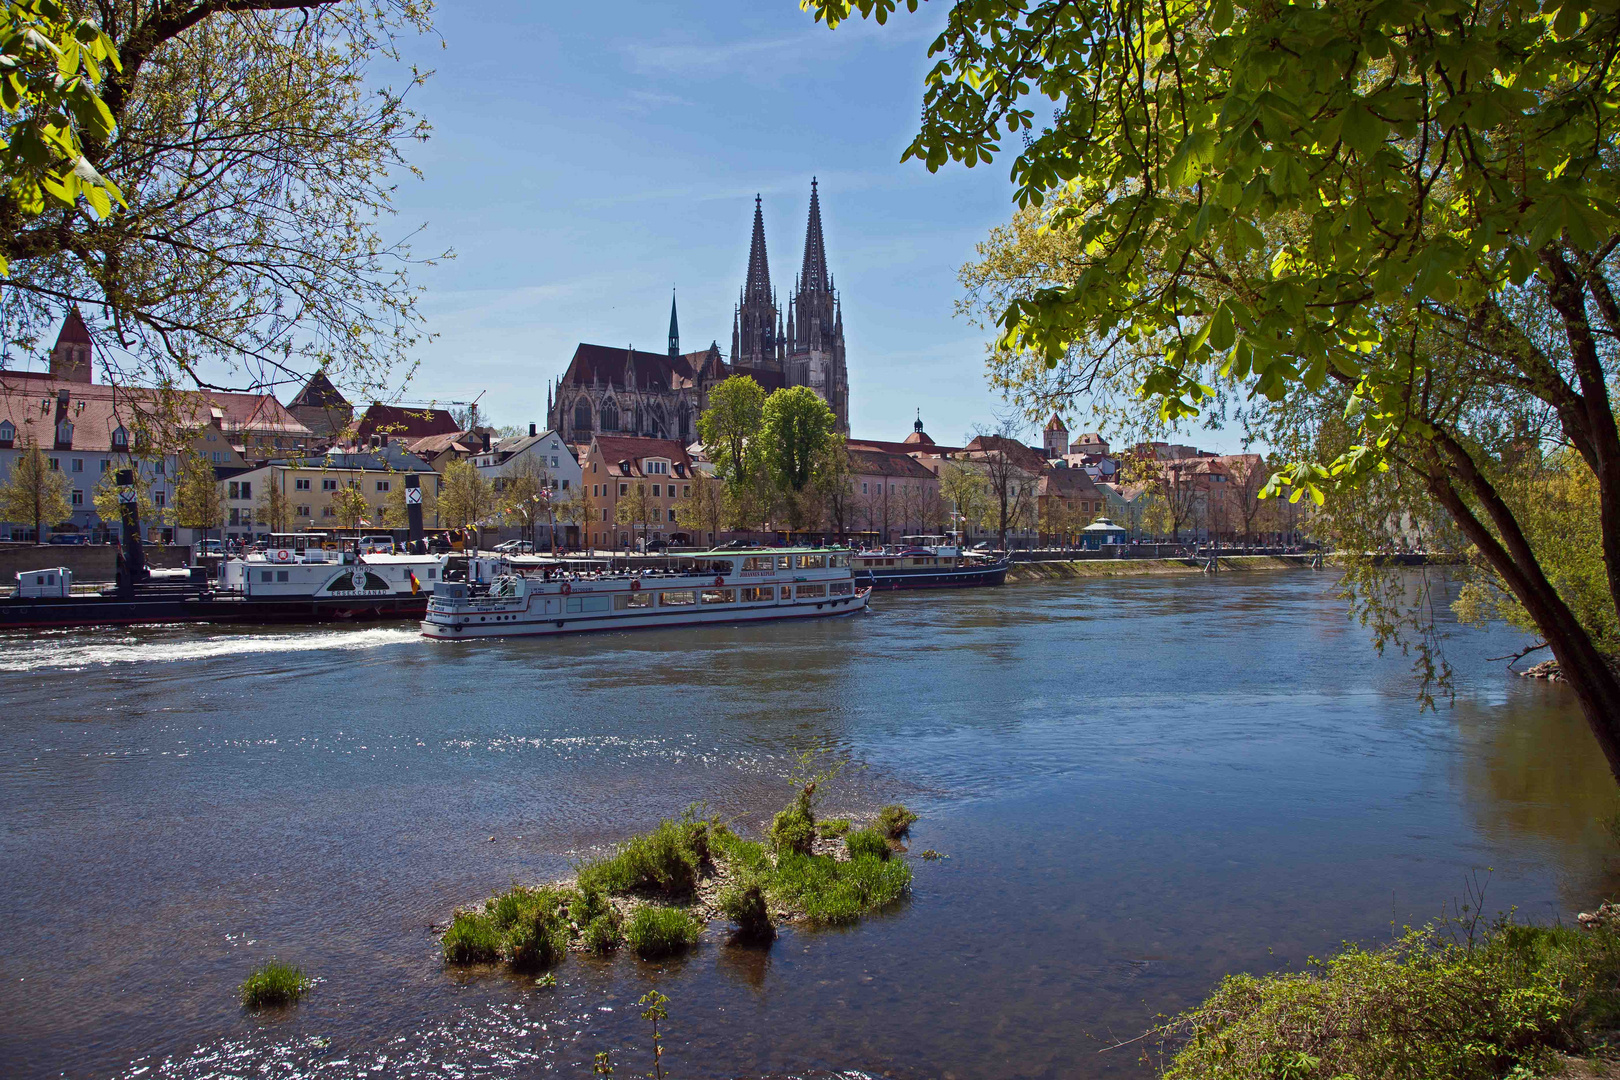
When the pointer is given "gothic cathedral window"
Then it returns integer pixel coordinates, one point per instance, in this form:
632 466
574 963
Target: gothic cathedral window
582 417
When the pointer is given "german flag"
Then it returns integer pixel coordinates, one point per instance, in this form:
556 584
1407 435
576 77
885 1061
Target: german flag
416 586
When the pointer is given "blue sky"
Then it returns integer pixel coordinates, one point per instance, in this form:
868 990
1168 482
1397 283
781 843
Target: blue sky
587 158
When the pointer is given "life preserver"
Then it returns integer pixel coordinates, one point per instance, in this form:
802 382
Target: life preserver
635 586
566 588
283 555
719 581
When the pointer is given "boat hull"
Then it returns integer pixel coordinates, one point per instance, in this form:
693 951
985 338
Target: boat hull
930 577
523 624
85 611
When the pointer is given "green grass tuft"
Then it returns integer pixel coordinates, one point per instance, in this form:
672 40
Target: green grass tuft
793 830
868 842
274 983
830 892
666 861
661 931
895 821
604 933
528 928
833 828
744 903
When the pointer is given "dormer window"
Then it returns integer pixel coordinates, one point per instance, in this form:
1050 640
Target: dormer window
120 439
64 433
8 433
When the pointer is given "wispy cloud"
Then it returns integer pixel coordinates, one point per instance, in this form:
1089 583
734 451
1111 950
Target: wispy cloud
710 57
644 101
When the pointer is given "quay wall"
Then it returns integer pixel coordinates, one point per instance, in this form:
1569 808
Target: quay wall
1025 572
91 563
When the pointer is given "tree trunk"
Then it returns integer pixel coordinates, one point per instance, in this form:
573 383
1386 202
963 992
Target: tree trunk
1587 672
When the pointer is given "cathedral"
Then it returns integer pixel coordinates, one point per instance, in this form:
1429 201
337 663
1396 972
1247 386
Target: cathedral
614 391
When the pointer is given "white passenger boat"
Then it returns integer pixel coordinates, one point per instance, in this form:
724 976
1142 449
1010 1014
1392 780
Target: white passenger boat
710 587
372 584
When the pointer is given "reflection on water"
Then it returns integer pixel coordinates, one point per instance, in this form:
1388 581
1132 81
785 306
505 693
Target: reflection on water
1140 784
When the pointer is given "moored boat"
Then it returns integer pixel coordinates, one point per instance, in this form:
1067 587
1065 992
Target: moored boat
709 587
927 562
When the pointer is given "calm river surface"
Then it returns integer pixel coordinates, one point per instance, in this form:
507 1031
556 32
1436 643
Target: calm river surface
1140 784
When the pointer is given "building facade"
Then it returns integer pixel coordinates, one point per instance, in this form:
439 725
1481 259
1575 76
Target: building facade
650 479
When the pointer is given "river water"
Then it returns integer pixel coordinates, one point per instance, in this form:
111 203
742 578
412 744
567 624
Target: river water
1141 784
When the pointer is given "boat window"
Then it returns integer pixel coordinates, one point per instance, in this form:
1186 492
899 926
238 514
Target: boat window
841 588
267 575
758 562
784 562
676 597
432 573
753 595
837 560
812 562
585 604
812 592
281 575
623 601
719 596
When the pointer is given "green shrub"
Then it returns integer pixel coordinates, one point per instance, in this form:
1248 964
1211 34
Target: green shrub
832 828
743 902
274 983
472 939
666 860
1425 1005
604 933
794 828
868 842
661 931
895 821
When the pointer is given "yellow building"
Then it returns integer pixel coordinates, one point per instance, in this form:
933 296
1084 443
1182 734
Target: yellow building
311 486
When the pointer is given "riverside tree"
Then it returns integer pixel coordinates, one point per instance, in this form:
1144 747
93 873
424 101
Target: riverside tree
796 430
1389 231
526 494
730 430
197 501
965 492
105 496
273 509
35 492
703 515
466 498
256 153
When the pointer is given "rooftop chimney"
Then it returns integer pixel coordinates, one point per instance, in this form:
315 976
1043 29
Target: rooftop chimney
484 439
532 432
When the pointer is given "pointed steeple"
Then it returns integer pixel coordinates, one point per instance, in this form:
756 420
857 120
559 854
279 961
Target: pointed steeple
674 328
758 285
813 276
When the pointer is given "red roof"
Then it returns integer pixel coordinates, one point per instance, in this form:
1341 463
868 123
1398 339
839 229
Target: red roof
106 408
74 332
907 447
399 422
866 462
1057 424
632 450
606 364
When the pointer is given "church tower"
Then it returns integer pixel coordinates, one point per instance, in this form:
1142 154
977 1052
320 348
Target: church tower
756 325
815 345
674 330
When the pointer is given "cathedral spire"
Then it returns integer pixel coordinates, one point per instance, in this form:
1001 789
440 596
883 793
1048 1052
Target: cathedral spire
813 276
758 285
674 328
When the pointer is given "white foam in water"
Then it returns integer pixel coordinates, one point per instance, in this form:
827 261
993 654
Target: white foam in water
75 651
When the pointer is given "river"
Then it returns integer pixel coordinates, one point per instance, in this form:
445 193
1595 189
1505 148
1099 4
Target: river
1140 785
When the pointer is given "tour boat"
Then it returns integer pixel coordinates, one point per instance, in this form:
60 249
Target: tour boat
927 562
280 585
731 586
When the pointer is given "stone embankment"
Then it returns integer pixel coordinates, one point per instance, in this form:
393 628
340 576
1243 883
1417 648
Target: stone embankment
1024 572
90 563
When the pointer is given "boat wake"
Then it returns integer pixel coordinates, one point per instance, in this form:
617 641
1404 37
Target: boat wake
75 650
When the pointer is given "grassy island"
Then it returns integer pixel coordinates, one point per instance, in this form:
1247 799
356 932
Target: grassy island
658 891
